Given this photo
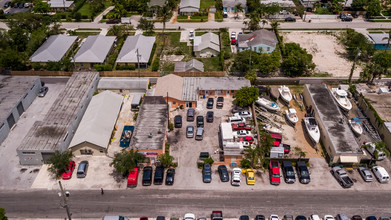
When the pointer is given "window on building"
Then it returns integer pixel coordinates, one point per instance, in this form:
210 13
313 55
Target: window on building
86 152
66 136
232 91
174 103
32 87
268 48
28 153
101 150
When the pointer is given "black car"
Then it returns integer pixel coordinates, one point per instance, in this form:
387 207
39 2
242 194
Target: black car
223 172
371 218
301 217
178 121
200 121
302 172
170 176
113 21
220 102
356 217
147 176
290 19
7 4
207 173
209 104
21 5
161 218
209 117
15 5
204 155
159 175
259 217
190 114
244 217
289 173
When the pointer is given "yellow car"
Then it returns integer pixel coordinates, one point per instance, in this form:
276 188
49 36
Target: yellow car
250 177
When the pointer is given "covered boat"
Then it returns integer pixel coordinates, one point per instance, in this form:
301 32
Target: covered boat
312 128
285 93
267 104
341 96
291 115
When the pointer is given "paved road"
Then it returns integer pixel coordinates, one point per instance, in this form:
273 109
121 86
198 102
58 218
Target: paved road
136 203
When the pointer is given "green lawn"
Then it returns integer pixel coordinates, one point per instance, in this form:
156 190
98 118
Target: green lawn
85 34
85 10
211 64
205 4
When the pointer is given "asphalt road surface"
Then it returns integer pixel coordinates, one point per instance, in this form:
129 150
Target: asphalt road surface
151 203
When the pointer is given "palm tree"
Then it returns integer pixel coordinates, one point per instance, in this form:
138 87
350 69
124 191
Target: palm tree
238 8
264 22
388 40
274 26
165 14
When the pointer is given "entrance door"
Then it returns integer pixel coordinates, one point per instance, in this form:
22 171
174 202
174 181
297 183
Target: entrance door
20 108
11 120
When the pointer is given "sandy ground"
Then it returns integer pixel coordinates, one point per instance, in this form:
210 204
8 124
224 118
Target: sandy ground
326 51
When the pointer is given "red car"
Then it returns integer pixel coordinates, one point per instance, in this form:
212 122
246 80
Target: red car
249 139
133 178
274 171
240 126
144 218
233 41
69 170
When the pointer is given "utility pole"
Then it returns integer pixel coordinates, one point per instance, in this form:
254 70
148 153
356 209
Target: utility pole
250 57
138 66
65 201
354 66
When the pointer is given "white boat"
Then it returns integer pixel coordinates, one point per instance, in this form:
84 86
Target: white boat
272 129
285 93
356 126
269 105
341 96
312 128
291 116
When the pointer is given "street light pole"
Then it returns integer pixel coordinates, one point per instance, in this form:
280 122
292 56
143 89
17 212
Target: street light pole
65 201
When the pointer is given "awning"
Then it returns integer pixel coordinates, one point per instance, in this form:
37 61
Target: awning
348 159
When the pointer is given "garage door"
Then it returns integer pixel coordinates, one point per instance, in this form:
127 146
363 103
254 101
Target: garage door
11 120
46 156
20 108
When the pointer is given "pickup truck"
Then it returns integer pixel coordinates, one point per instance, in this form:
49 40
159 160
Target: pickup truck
240 126
217 215
342 177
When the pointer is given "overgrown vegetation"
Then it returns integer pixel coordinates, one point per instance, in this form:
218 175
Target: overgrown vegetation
126 160
59 161
246 96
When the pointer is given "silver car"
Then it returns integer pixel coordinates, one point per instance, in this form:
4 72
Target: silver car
190 131
365 174
43 91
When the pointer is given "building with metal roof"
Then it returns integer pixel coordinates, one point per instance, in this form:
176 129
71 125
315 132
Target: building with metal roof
57 129
131 84
96 127
206 45
16 95
189 66
262 41
281 3
94 50
53 49
149 135
189 7
139 44
60 4
229 5
336 135
379 41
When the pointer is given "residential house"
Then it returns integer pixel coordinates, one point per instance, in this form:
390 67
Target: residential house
229 5
261 41
186 91
190 66
54 49
94 50
308 4
281 3
189 7
379 41
61 5
207 45
136 45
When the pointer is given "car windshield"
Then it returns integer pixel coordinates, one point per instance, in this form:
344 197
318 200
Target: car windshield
304 173
290 173
236 181
251 178
276 175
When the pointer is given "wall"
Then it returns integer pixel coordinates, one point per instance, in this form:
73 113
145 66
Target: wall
199 74
178 103
207 52
307 17
380 46
216 93
102 74
96 150
232 159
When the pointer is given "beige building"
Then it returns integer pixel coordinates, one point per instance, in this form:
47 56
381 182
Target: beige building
207 45
95 131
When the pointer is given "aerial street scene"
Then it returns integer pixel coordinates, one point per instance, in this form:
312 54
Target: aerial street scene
195 109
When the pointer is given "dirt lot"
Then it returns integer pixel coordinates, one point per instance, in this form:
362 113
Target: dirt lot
327 52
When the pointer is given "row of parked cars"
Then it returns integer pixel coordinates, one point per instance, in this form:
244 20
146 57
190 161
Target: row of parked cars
18 5
346 182
81 170
288 172
158 176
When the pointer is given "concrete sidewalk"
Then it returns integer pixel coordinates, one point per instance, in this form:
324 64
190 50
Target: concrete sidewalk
100 16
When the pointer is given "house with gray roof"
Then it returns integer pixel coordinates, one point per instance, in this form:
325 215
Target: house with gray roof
53 49
57 5
379 41
261 41
207 45
281 3
158 3
189 7
189 66
229 5
136 44
96 127
94 50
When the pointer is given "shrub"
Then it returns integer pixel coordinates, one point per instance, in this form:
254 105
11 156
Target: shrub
77 16
124 67
170 126
103 67
155 64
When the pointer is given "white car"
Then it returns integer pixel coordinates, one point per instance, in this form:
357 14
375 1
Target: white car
244 114
241 133
189 216
328 217
233 35
314 217
236 177
273 217
245 143
191 34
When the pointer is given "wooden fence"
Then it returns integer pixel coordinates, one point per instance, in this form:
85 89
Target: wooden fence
117 73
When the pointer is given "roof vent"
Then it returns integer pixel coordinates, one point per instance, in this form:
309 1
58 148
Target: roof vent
150 135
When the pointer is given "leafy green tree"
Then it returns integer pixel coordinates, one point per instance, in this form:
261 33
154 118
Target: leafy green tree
126 160
297 61
374 8
381 146
11 60
209 160
271 8
242 61
117 30
253 24
146 25
77 16
264 22
41 7
370 72
164 14
166 159
269 62
2 214
59 161
254 155
246 96
238 8
253 6
252 76
356 41
37 38
96 6
358 5
381 62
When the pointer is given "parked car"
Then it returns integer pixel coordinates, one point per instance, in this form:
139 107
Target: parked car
288 172
237 108
381 174
113 21
236 176
345 17
241 133
144 218
274 172
342 177
112 217
314 217
365 174
204 155
342 217
190 114
27 5
133 177
301 217
223 173
207 173
160 218
68 170
200 121
290 19
82 169
244 114
302 172
376 154
356 217
250 177
259 217
328 217
233 35
288 217
159 175
244 217
170 176
220 102
43 91
248 139
233 41
178 121
273 217
225 14
147 176
241 126
209 117
216 215
190 131
21 5
287 148
7 4
189 216
199 133
236 120
191 34
209 103
15 5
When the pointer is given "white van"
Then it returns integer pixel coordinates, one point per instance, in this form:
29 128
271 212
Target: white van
371 148
236 120
381 174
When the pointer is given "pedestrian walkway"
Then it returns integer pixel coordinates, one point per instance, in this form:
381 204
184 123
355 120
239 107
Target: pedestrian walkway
100 16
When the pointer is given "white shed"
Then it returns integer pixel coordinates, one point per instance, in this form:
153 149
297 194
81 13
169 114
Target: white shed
277 152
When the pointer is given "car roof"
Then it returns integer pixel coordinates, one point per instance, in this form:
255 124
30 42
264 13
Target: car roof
286 163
